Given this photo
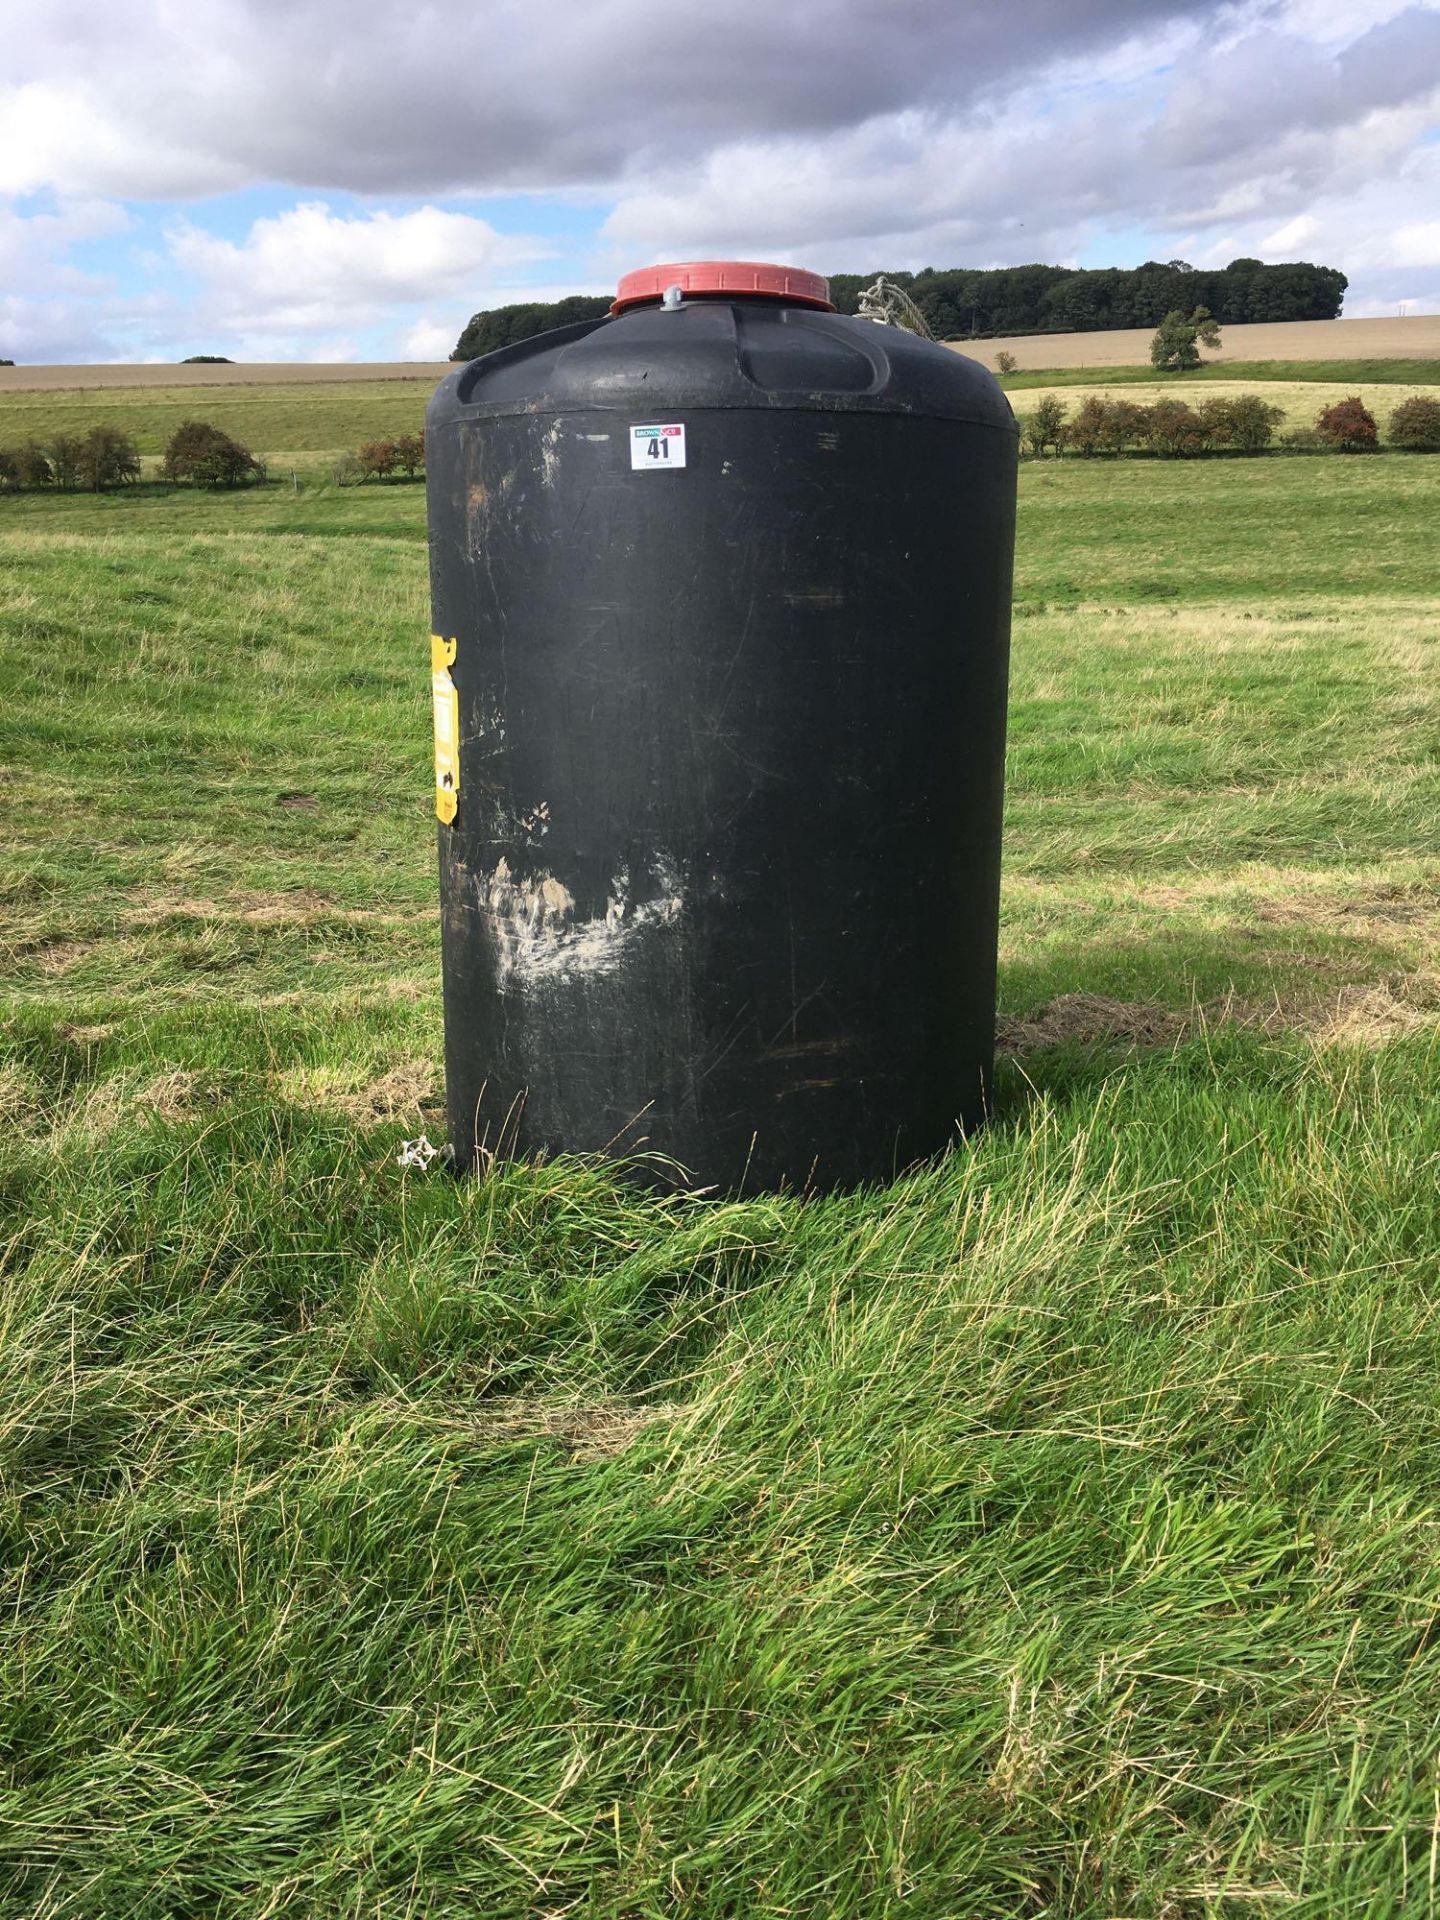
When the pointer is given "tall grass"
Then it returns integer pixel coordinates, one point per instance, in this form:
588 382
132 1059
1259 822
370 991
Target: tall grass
1053 1532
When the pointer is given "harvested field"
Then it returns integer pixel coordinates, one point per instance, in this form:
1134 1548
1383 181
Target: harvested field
272 373
1417 337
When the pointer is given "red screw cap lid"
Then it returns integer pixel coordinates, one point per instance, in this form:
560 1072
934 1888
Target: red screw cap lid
724 276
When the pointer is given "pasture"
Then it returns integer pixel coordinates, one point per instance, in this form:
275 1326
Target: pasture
1051 1533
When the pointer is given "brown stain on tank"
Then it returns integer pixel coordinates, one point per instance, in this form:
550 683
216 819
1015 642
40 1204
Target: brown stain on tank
807 1086
823 597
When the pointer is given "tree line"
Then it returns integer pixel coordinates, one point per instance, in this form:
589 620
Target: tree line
107 457
963 303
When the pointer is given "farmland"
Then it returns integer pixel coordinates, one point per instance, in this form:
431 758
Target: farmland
278 418
1294 341
1051 1533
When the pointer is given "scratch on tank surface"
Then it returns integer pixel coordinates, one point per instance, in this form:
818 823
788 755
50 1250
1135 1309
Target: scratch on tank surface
539 938
550 451
807 1086
488 731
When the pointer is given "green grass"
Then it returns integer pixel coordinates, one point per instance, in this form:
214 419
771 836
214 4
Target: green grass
268 418
1421 372
1051 1533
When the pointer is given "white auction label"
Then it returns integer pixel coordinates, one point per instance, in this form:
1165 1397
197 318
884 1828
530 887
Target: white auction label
657 449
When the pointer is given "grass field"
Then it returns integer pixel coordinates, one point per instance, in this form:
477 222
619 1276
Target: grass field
304 423
1052 1533
275 419
123 375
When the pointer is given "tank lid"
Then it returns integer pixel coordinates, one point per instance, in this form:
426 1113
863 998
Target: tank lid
724 276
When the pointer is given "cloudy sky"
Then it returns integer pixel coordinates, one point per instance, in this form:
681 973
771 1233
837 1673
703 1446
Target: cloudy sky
276 179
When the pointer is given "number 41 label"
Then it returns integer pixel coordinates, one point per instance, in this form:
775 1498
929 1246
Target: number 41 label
657 449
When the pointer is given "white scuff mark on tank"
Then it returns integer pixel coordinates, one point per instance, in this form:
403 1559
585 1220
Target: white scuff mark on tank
550 452
487 730
593 436
535 823
538 937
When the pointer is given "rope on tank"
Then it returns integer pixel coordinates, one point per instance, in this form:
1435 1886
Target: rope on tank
891 306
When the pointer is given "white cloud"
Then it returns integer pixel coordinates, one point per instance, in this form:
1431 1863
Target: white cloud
51 308
428 339
304 270
362 257
1417 245
34 246
1295 233
66 138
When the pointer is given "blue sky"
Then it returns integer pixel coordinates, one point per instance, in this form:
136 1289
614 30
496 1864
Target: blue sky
305 180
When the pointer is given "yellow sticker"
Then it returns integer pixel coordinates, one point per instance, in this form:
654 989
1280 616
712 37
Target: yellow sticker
446 703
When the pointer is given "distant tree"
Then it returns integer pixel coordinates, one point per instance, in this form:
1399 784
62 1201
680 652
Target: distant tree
207 360
378 459
1005 362
32 469
108 458
7 363
1179 337
410 452
67 452
1174 430
347 471
9 478
1415 425
207 457
1348 427
505 326
1245 424
1045 425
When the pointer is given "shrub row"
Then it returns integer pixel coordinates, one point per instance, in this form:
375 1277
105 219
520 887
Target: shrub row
1246 424
379 459
1169 427
107 457
103 457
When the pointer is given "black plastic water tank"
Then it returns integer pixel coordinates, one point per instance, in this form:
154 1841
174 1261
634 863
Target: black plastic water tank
721 608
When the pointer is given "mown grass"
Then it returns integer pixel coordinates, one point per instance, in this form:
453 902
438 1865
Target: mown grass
1051 1533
